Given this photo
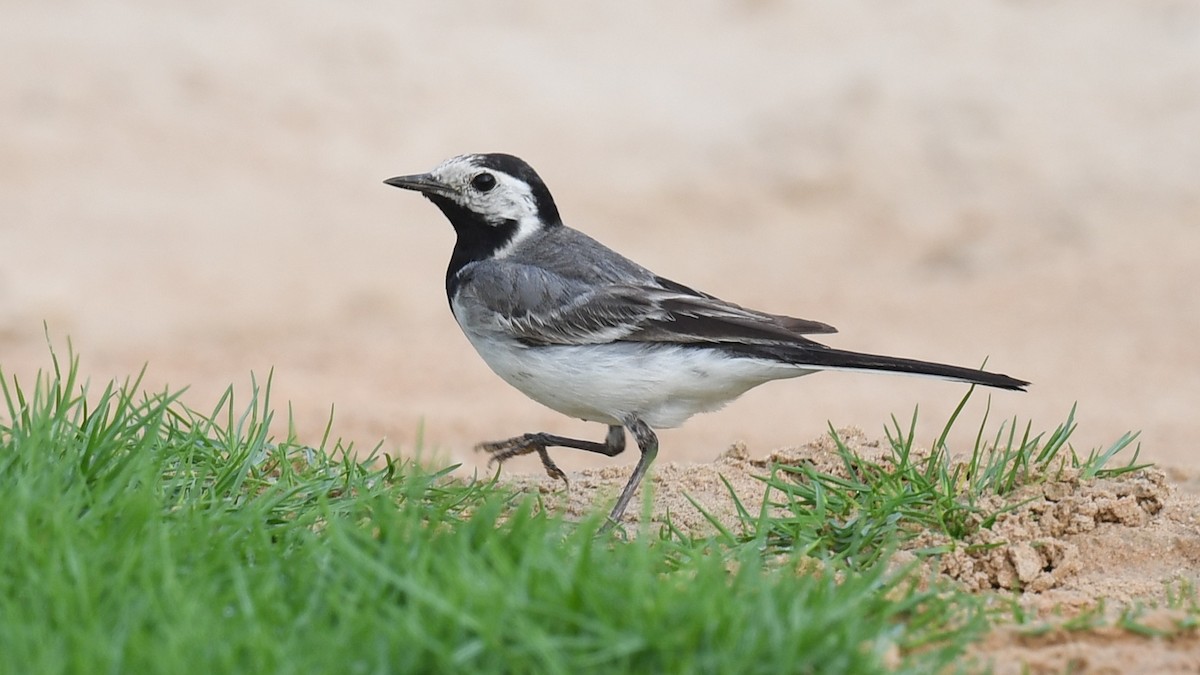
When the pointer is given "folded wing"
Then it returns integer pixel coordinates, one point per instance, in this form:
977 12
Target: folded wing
546 311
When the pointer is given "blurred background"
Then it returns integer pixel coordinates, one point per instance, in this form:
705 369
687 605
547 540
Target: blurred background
197 187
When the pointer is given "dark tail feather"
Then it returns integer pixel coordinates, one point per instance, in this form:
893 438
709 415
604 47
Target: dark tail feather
821 357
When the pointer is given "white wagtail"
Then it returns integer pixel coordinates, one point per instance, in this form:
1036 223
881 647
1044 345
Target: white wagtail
589 333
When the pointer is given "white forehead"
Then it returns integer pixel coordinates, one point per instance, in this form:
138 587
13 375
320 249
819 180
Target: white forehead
457 172
462 167
511 199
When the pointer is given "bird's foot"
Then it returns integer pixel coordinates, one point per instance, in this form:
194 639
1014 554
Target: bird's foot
502 451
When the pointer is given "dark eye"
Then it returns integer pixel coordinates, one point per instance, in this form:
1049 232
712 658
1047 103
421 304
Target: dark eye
483 182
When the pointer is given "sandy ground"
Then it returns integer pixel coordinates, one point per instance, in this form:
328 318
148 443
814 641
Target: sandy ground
197 188
1062 544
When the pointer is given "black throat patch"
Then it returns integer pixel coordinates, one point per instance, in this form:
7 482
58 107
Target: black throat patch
477 238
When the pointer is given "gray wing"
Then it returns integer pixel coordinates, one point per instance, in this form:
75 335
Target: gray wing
542 307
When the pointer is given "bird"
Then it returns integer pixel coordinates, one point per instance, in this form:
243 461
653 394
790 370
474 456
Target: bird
587 332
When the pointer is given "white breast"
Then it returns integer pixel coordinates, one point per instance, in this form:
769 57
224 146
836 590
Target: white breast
663 385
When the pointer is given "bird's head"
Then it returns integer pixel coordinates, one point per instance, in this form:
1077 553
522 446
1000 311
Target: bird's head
493 196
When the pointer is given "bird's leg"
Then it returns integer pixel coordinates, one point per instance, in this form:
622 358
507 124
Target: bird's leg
648 444
501 451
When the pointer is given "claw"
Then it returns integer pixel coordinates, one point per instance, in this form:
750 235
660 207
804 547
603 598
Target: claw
502 451
551 468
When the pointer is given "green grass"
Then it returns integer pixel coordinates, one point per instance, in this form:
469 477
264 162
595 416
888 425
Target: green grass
862 513
139 535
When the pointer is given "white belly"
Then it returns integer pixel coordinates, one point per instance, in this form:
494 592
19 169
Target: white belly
663 385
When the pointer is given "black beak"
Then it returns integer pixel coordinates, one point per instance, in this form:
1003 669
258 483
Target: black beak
421 182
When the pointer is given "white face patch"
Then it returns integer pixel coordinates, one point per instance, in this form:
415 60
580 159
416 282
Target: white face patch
511 199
